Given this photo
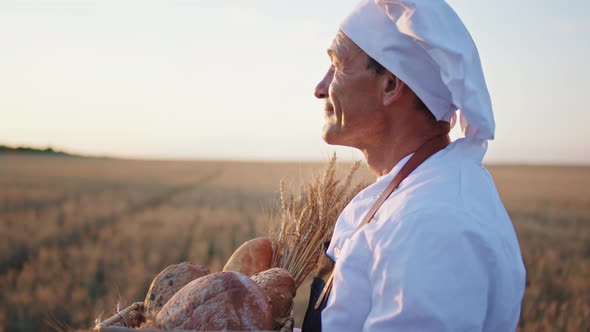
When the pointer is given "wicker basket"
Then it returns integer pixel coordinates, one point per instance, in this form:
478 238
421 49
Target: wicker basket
127 319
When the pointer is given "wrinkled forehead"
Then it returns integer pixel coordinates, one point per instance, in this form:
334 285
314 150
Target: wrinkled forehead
343 48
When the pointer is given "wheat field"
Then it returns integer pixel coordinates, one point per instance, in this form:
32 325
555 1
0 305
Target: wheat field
81 236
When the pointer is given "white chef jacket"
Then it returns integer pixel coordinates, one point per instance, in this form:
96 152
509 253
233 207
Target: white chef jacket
440 255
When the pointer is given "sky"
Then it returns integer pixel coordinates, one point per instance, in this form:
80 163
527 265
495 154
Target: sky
197 79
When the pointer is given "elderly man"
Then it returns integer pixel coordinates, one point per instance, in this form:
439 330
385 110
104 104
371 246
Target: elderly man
428 246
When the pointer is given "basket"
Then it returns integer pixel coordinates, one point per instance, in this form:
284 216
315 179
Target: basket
128 320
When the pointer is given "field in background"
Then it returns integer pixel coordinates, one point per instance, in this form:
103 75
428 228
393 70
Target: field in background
79 236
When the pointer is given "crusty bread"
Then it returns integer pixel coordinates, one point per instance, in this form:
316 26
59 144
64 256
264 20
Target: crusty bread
279 285
220 301
168 282
251 257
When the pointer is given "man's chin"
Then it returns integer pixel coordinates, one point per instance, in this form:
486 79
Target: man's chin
326 135
331 138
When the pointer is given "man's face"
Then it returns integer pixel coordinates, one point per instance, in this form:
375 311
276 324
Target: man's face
353 102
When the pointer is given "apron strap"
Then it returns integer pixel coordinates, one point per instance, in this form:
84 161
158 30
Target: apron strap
424 152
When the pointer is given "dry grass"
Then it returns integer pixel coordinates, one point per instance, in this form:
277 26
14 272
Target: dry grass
550 209
307 220
80 235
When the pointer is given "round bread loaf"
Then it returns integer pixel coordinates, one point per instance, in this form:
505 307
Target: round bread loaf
220 301
279 285
170 281
251 257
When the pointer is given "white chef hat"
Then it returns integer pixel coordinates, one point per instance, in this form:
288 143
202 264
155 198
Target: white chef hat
425 44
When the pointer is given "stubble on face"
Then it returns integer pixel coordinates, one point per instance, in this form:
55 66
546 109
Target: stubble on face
351 94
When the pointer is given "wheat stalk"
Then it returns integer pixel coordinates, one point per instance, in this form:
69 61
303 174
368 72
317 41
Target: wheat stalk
307 220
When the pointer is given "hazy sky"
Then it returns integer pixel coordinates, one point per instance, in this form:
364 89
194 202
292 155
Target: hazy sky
234 79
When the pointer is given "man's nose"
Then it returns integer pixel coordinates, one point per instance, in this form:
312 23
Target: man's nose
323 88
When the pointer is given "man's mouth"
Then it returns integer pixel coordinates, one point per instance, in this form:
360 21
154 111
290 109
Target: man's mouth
328 108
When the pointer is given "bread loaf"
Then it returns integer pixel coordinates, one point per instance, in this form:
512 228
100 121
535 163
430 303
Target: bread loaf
220 301
279 285
251 257
168 282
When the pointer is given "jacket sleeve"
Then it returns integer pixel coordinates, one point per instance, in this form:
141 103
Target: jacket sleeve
431 274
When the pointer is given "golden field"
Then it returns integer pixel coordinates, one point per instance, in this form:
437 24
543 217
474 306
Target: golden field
80 236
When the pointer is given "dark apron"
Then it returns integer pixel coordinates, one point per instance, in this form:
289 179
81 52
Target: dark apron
313 317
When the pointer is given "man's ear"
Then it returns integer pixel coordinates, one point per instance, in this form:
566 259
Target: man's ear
392 89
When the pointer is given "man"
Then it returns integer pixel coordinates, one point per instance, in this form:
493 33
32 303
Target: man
440 252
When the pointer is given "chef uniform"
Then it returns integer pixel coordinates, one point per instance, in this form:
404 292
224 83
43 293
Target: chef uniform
440 254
